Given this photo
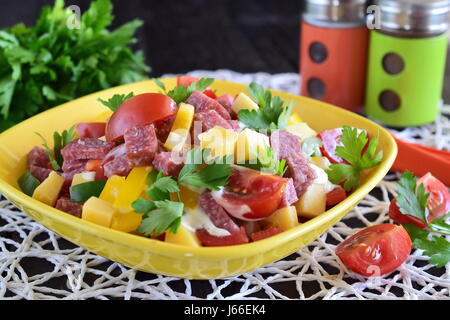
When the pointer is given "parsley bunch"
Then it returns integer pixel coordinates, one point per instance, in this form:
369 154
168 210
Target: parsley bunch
352 152
412 200
49 63
272 114
181 93
59 142
161 213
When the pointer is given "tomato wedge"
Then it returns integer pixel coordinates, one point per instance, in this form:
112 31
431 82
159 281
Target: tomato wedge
188 80
375 250
251 195
91 130
438 203
140 110
267 233
337 195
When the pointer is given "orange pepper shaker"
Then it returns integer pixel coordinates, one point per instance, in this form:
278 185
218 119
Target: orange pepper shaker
334 48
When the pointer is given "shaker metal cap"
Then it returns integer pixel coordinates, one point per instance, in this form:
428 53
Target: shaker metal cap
424 16
335 13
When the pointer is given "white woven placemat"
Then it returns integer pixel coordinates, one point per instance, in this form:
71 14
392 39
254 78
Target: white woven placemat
37 264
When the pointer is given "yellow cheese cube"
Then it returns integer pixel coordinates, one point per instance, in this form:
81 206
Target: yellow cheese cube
83 177
284 218
111 189
313 202
179 136
249 145
183 237
48 191
221 141
132 188
126 222
98 211
294 119
302 130
243 102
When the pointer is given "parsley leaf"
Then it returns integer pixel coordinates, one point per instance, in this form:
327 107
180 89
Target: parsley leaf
272 113
181 93
166 216
412 199
116 101
203 173
50 63
268 162
352 152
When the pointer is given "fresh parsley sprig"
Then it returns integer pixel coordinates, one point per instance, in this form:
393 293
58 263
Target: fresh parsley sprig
272 114
181 93
412 200
358 160
116 101
59 142
267 161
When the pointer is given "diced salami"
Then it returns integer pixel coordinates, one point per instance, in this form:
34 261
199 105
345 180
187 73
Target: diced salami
221 220
290 194
74 165
170 163
141 145
65 204
40 173
211 119
267 233
287 147
234 125
37 157
116 162
86 149
163 128
202 103
226 101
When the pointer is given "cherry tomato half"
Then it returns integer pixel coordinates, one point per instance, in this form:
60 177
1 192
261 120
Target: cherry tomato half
375 250
264 234
438 203
140 110
91 130
337 195
252 195
188 80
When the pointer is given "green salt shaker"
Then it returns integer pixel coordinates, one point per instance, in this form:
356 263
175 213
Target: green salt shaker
407 58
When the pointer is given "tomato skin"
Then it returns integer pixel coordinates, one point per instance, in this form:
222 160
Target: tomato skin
91 130
260 194
210 93
186 80
375 250
236 238
396 215
336 196
330 139
267 233
93 165
140 110
439 201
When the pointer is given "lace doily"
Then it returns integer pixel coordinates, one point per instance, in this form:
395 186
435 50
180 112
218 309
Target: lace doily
37 264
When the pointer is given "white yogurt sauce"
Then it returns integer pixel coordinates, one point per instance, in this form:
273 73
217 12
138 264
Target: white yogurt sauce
322 178
195 219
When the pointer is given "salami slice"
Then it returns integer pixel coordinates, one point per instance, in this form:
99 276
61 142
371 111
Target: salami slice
221 220
202 103
163 128
86 149
40 173
290 194
287 146
141 145
37 157
116 162
74 165
65 204
226 101
210 119
170 163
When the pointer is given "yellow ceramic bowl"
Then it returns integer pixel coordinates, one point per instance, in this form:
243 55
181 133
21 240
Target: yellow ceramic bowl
163 258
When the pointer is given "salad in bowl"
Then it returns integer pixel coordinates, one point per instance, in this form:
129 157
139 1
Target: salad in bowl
188 167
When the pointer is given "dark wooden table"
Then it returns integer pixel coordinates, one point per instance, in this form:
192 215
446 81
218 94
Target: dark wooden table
181 36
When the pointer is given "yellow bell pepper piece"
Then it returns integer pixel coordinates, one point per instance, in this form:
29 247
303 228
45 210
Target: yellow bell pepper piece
83 177
294 119
284 218
221 141
180 133
98 211
188 197
126 222
48 191
183 237
132 188
112 187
